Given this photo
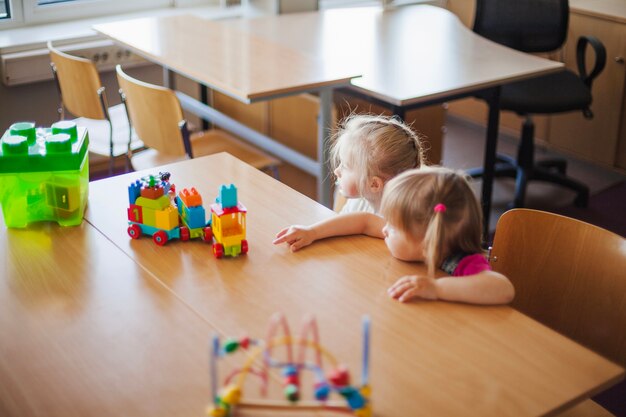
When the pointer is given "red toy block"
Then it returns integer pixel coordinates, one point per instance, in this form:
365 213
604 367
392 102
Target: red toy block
152 192
135 213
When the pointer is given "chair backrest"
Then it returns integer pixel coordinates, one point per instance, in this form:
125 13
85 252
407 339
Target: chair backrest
568 275
155 114
79 84
525 25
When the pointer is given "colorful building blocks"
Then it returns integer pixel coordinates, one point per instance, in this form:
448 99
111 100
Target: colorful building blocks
228 220
152 212
260 360
155 210
44 174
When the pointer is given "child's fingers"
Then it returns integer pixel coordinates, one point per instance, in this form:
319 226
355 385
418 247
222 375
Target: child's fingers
282 232
399 283
409 294
399 289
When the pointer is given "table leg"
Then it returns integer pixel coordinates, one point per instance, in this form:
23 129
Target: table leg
204 98
324 180
169 79
493 101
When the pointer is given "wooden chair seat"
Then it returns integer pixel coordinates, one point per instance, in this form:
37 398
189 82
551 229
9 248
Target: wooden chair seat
207 143
215 141
99 138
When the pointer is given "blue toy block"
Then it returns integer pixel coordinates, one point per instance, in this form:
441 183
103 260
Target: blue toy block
134 191
227 196
195 217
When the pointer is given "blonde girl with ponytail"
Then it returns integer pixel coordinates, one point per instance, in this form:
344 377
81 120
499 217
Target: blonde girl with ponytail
431 215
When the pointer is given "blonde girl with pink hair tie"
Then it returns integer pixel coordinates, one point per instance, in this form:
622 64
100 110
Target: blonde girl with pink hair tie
431 215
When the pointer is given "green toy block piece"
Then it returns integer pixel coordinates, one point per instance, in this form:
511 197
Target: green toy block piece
67 127
15 145
26 129
59 143
155 204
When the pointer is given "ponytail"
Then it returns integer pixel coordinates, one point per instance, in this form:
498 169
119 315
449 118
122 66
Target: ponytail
434 238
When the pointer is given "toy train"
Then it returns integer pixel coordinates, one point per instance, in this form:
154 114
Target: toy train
155 210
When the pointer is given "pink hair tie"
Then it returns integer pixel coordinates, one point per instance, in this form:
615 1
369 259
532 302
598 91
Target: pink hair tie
440 208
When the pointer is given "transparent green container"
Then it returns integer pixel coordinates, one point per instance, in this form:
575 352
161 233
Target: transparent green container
44 174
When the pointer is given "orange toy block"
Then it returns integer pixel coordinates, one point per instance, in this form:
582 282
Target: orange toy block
191 198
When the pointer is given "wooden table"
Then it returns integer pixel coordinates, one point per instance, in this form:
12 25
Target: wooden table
427 358
406 56
85 331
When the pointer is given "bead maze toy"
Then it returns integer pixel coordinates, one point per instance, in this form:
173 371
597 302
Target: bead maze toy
335 378
44 174
155 210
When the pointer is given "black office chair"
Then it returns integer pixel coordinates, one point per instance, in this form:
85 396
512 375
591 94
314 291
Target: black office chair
538 26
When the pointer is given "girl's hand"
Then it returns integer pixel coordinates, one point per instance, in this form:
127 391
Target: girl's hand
296 237
413 286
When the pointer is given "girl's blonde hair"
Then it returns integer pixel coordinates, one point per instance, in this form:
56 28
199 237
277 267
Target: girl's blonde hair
376 146
409 204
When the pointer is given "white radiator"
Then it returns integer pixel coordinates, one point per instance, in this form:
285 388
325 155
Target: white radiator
34 65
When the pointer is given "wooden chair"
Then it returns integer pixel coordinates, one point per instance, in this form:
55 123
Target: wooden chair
83 95
570 276
157 117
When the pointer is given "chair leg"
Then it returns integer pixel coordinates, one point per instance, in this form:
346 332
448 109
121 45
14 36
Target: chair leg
274 170
525 162
521 181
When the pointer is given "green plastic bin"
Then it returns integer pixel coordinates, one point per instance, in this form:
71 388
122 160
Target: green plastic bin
44 174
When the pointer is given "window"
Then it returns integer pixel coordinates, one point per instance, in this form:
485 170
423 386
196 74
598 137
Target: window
17 13
5 12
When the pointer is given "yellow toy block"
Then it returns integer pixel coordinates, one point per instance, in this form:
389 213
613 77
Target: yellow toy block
167 219
149 216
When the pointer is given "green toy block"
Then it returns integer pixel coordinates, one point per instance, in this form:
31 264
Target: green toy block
44 174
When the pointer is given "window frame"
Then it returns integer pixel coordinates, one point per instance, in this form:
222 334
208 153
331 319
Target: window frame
79 9
29 13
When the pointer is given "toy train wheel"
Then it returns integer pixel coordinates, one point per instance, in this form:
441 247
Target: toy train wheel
208 234
184 233
218 250
134 231
160 238
244 246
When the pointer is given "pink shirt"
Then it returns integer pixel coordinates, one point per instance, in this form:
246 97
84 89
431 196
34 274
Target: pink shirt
471 264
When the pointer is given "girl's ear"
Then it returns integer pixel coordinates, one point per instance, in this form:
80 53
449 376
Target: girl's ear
376 185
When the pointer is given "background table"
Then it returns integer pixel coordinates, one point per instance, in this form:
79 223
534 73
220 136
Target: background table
434 358
407 57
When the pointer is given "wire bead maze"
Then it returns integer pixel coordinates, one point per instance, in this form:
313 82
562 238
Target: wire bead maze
335 378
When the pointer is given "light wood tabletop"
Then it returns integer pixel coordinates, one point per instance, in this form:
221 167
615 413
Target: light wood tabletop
405 54
222 57
430 358
85 331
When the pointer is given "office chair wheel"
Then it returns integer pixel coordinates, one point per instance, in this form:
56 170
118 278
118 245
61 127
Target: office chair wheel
560 165
582 199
